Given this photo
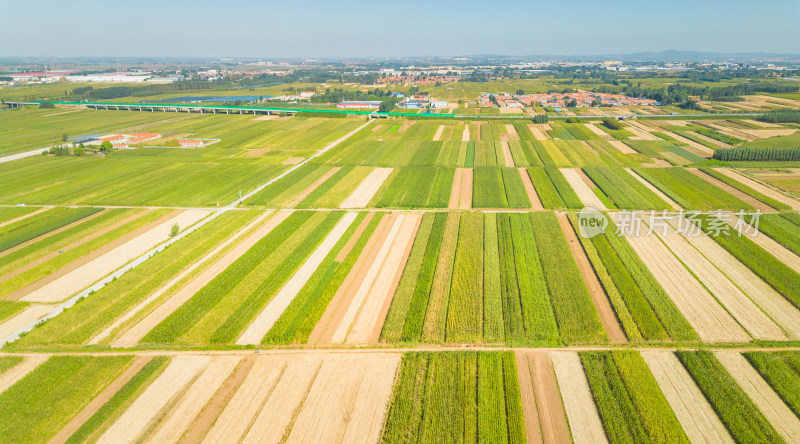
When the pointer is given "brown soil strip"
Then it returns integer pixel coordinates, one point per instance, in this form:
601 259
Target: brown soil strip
582 189
533 196
601 303
24 216
30 314
507 154
264 321
214 407
687 401
767 133
465 135
53 233
326 327
363 315
405 126
512 132
145 410
595 129
387 302
478 126
64 434
364 192
439 131
19 371
746 198
545 420
138 331
465 195
538 134
300 197
750 316
247 402
455 191
769 403
711 322
774 305
761 188
280 410
655 190
78 243
348 247
376 128
584 421
96 269
779 251
293 160
180 417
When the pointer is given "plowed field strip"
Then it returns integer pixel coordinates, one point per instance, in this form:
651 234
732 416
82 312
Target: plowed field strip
533 196
585 194
584 421
545 420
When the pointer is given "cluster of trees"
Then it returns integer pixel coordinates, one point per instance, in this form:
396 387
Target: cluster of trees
540 118
63 151
679 93
336 95
781 116
757 154
612 123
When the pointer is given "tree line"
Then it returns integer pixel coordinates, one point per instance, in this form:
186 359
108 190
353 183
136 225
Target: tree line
757 154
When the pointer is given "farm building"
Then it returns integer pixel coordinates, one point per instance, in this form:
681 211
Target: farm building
413 104
143 137
113 138
190 143
439 104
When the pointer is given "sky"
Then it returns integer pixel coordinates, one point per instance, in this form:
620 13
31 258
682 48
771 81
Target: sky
408 28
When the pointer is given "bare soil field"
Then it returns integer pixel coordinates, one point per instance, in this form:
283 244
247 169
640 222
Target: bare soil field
364 192
465 135
278 304
691 408
584 421
537 131
533 196
133 335
595 129
750 316
640 131
585 194
511 130
545 421
461 193
710 320
84 276
509 160
30 314
293 160
439 131
300 197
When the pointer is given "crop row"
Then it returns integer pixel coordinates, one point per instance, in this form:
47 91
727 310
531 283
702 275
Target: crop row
553 189
624 190
32 227
498 188
456 397
416 187
632 407
690 191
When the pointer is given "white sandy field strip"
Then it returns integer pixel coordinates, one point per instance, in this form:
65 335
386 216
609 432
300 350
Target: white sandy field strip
710 320
584 421
439 131
17 372
655 190
761 188
145 409
771 302
363 193
180 417
762 395
586 195
89 273
691 408
30 314
142 305
278 304
366 312
779 251
140 329
748 314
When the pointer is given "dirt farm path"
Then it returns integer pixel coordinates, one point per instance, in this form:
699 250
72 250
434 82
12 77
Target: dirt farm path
533 196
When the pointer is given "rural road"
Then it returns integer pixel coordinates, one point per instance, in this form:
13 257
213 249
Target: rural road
36 152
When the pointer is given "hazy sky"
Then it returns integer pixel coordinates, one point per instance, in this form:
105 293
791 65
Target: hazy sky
347 28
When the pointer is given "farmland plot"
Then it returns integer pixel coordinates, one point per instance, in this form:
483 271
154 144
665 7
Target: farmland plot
690 191
416 187
498 188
